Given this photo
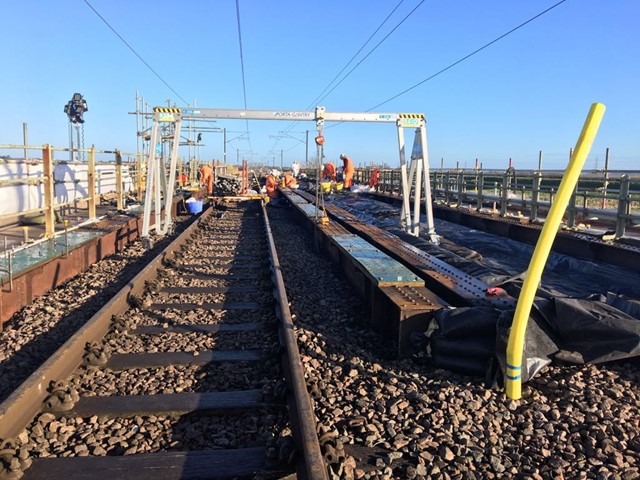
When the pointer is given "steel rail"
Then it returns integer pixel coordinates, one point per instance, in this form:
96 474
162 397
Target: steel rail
302 416
26 401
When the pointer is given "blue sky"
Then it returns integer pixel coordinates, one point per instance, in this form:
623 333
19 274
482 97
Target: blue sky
528 92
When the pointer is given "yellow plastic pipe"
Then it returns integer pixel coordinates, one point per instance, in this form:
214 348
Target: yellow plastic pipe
515 346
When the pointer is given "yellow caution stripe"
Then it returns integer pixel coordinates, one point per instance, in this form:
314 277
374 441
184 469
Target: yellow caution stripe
166 110
411 115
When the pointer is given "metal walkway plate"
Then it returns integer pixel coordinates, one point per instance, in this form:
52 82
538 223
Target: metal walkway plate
382 269
310 210
295 198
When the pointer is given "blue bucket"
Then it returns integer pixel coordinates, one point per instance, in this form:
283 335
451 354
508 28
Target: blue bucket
194 207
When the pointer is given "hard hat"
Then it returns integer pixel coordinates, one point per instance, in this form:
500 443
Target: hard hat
343 156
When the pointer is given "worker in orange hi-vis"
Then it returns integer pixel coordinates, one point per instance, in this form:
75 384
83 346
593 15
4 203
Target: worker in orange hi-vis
206 177
290 181
348 170
329 171
374 181
272 186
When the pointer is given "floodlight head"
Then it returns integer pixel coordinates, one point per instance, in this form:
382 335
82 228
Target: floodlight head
75 108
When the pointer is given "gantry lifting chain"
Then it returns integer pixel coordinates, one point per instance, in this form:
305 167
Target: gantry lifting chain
321 214
320 126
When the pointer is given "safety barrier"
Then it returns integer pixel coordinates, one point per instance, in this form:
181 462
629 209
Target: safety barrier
612 196
37 183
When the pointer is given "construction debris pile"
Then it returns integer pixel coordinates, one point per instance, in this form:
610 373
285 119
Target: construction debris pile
227 185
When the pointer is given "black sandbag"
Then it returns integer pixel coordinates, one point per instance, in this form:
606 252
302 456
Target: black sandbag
595 332
467 322
478 347
467 366
540 343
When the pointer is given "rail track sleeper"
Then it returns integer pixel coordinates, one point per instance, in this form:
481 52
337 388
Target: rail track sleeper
25 402
224 463
123 361
165 404
227 258
127 387
184 306
231 289
230 266
222 276
202 328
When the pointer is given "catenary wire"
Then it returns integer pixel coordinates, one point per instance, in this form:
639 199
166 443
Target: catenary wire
244 84
319 98
136 53
372 50
354 56
469 55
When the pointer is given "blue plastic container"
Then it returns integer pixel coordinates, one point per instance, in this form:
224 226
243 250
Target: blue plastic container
194 207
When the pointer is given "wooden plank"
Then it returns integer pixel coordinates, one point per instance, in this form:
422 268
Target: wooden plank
231 289
221 463
122 361
200 328
206 306
173 404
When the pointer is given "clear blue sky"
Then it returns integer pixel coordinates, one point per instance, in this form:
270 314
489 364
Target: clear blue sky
528 92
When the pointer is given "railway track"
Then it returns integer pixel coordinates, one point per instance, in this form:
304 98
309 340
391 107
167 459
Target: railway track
192 371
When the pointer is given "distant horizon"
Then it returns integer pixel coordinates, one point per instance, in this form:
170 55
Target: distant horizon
432 168
495 79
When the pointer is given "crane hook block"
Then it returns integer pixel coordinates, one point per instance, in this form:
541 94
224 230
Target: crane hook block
320 139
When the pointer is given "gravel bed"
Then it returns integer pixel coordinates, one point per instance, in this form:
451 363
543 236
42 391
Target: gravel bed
175 379
419 422
191 342
262 298
39 329
175 278
171 317
99 436
205 268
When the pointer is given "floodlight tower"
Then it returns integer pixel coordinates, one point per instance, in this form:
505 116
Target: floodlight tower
75 109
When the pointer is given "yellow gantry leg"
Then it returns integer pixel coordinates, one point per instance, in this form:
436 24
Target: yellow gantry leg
515 345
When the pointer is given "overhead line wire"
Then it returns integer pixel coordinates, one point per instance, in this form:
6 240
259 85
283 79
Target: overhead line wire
355 55
469 55
318 99
244 85
373 50
136 53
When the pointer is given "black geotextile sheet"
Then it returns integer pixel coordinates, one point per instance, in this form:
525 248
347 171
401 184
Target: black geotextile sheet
576 318
494 259
597 329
